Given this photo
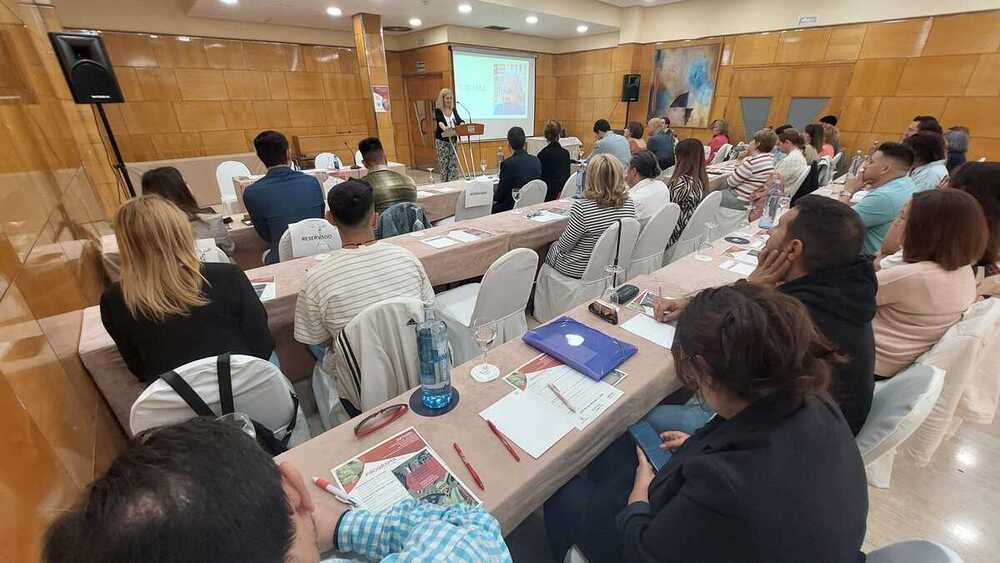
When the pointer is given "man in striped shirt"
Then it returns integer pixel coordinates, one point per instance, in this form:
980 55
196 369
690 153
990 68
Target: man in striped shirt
746 183
362 273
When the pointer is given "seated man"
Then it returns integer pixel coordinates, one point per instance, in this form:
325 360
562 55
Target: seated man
661 141
649 194
283 196
814 255
362 273
609 142
746 183
890 188
390 187
204 491
515 171
777 151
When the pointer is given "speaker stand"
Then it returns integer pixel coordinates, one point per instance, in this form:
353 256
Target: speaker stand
628 106
119 164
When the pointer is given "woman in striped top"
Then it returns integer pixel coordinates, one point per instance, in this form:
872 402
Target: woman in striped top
605 200
687 185
746 183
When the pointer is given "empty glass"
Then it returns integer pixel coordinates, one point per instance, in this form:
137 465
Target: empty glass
240 421
614 277
482 166
516 194
485 334
709 238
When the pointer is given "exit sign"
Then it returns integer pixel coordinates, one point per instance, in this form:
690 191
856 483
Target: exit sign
808 20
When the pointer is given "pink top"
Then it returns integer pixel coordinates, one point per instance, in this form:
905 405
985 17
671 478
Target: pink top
827 150
917 304
715 144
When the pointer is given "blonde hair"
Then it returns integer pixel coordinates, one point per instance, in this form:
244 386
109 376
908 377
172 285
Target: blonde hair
606 181
723 126
160 274
439 104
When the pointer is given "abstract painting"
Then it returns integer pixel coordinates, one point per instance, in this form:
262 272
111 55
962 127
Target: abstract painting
683 84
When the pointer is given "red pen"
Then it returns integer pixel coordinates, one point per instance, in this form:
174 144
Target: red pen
503 440
468 466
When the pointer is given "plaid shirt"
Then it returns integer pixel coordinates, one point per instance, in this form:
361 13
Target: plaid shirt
415 532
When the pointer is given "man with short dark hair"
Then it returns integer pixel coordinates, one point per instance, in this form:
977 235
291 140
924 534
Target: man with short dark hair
661 141
649 194
515 171
889 187
362 273
814 255
609 142
283 196
203 491
831 119
390 187
923 123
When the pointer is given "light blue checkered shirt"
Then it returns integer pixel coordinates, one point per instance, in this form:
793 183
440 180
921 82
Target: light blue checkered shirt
416 532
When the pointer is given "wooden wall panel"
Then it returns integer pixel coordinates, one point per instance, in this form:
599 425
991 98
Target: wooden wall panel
937 76
895 39
964 34
758 49
985 80
805 46
845 42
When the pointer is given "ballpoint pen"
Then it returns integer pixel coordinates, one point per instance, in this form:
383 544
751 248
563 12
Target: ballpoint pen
503 440
468 466
339 494
555 391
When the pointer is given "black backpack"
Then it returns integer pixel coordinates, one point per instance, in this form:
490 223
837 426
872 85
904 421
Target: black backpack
265 436
809 185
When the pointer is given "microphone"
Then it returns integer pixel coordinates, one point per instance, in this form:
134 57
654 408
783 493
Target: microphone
354 163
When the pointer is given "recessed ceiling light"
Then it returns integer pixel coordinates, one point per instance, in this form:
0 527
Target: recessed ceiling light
582 29
184 38
230 2
531 19
464 8
415 22
334 11
154 36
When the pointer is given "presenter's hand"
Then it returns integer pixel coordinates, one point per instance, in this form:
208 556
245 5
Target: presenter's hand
644 475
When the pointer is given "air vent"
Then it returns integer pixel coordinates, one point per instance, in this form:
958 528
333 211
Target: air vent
400 28
496 27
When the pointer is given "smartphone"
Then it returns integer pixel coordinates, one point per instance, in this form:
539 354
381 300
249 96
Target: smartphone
649 441
604 310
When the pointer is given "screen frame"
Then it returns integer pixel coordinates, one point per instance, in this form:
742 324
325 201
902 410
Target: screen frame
498 52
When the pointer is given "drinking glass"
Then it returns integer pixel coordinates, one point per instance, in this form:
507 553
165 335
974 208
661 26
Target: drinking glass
482 165
485 333
516 194
240 421
710 236
614 277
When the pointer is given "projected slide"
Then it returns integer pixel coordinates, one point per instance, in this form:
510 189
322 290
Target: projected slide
496 90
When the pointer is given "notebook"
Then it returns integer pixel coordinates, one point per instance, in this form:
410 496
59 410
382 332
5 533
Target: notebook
585 349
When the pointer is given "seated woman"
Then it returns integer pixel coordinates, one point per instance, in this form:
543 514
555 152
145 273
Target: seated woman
944 232
169 309
981 180
775 476
633 132
688 184
605 200
929 159
746 182
168 183
720 136
813 136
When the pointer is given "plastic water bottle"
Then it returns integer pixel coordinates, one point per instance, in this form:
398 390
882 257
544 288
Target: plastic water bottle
499 156
435 368
856 163
581 179
775 205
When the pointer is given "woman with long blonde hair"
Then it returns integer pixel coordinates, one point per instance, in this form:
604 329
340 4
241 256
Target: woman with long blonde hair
605 200
169 309
446 119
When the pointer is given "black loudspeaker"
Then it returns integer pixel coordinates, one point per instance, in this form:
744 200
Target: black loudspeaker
630 88
87 68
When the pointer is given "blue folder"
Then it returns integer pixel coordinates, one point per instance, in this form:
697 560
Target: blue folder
585 349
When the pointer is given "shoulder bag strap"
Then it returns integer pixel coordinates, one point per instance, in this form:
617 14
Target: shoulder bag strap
618 249
225 377
184 391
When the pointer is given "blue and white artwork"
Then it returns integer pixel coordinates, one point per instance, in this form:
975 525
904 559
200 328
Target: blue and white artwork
684 83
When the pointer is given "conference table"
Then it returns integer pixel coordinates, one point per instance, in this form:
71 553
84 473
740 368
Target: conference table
513 490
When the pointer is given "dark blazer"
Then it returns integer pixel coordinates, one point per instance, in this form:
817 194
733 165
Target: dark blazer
233 321
282 197
662 145
515 171
555 169
439 118
780 481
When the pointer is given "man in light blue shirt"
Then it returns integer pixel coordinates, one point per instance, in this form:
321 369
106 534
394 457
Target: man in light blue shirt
889 189
609 142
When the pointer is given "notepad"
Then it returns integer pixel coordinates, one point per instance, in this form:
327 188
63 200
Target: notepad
463 236
439 242
661 334
529 421
740 268
546 217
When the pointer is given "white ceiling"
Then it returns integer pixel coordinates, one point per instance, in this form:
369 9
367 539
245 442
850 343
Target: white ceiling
433 13
631 3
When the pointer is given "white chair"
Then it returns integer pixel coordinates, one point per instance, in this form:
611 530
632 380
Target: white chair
960 353
358 159
531 193
327 161
914 551
899 406
260 391
208 252
328 185
569 188
478 190
825 175
376 359
555 293
308 237
224 174
982 393
653 240
722 153
708 151
500 298
835 163
792 185
694 231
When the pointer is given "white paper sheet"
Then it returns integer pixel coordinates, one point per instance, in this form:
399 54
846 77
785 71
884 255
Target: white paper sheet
439 242
547 216
736 267
588 397
746 258
463 236
529 421
478 193
424 193
661 334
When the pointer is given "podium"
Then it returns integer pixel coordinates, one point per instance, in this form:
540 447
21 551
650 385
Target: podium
466 156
